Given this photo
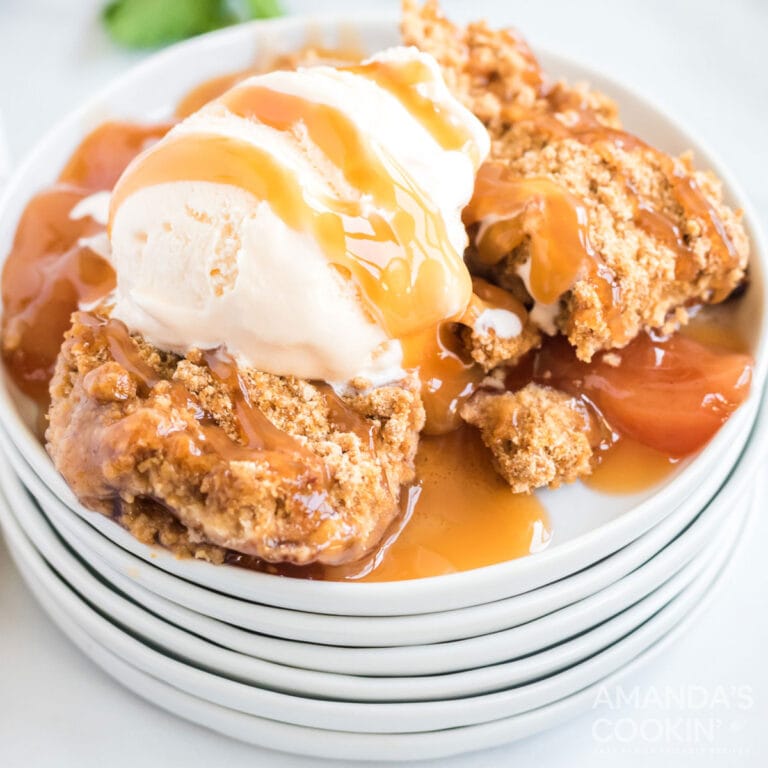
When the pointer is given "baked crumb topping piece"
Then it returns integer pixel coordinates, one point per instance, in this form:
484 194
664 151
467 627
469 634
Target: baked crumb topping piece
491 350
538 435
656 235
151 523
322 487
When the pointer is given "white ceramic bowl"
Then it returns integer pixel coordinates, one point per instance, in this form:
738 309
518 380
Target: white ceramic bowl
420 660
76 619
152 626
460 654
357 631
603 524
345 745
390 717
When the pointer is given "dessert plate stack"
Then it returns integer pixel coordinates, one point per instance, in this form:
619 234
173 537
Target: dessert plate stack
354 686
400 670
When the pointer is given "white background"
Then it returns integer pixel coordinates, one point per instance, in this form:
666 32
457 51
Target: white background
703 61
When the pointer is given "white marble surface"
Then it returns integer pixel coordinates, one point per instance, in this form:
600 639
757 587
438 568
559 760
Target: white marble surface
702 60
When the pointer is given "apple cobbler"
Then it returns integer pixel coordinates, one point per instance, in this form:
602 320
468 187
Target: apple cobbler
245 324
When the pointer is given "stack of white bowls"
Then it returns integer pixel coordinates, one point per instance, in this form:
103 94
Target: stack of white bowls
405 670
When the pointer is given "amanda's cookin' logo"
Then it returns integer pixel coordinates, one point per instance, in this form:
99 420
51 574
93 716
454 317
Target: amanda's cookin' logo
671 719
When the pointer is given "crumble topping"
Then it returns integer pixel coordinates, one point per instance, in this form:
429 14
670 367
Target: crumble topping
495 74
538 436
491 350
108 437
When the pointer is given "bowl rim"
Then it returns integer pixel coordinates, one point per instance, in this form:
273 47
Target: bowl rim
643 582
213 654
427 588
400 717
672 615
119 550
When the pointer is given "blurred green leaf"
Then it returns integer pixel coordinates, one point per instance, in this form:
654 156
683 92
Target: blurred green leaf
150 23
264 9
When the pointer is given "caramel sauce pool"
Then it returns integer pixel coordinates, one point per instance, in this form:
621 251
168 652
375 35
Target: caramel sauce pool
459 515
462 515
629 467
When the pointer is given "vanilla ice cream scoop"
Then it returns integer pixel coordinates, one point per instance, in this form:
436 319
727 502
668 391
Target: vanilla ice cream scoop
307 220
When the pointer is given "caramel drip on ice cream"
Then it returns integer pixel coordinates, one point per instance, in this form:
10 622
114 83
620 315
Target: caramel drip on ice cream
405 81
389 238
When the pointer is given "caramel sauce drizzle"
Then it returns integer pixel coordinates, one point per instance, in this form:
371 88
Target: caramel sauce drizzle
257 432
398 252
343 418
584 125
555 222
404 80
331 130
260 440
538 209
